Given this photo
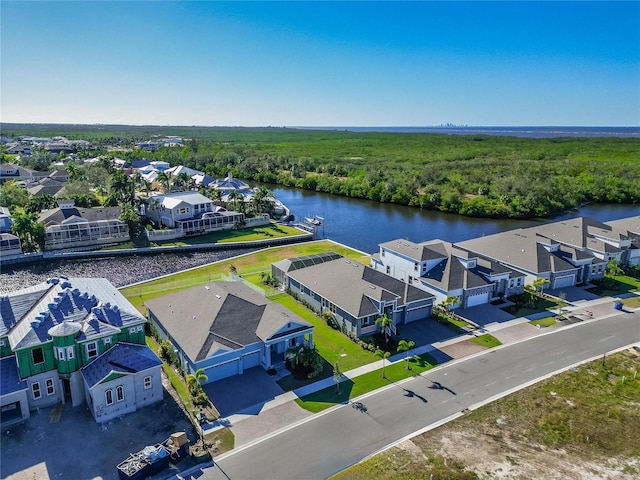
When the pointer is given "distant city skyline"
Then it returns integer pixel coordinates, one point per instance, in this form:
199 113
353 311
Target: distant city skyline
321 63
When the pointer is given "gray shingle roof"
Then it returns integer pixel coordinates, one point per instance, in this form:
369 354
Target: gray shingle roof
56 216
522 248
351 286
220 315
123 358
417 251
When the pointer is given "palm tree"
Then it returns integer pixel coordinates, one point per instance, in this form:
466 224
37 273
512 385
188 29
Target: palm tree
405 346
164 181
539 284
196 378
29 230
215 194
450 303
384 355
385 322
613 268
233 196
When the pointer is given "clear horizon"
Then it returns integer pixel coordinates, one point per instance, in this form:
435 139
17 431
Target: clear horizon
320 64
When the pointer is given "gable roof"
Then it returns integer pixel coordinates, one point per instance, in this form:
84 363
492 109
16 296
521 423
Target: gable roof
58 215
220 316
353 287
419 252
122 358
521 248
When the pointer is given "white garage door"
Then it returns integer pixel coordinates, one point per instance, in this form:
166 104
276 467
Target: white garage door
474 300
564 282
223 370
251 359
417 314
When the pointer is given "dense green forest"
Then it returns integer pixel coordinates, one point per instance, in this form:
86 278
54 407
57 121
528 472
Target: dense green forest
474 175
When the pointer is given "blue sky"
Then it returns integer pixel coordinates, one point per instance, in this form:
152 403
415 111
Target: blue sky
321 63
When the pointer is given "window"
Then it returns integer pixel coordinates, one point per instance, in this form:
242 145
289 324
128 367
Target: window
388 269
60 353
2 344
50 386
119 393
132 330
70 353
38 356
147 383
139 328
415 266
107 340
108 396
92 349
35 390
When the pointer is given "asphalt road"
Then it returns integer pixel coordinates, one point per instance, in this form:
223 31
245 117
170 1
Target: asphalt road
329 442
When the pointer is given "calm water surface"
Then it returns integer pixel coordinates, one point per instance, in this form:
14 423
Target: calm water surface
364 224
360 224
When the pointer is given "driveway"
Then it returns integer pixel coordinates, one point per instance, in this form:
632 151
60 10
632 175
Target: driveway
425 332
241 392
574 294
485 314
74 446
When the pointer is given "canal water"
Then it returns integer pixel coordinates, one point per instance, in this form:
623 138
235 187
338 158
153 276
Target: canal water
364 224
360 224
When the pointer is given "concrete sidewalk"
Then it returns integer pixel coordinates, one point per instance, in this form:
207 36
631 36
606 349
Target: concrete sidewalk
282 412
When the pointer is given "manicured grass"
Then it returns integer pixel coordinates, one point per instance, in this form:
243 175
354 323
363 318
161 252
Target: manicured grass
251 264
362 384
632 302
617 285
266 232
587 412
459 323
332 344
541 305
544 322
486 340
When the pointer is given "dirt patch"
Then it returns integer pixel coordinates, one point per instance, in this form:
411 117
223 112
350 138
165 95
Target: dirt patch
498 454
462 349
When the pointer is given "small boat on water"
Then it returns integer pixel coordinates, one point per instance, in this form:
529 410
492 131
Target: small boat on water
313 221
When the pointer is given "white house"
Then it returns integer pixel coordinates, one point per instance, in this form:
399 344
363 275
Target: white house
443 270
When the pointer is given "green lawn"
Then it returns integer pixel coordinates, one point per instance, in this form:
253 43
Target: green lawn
332 344
617 285
486 340
544 322
247 265
266 232
368 382
541 305
632 302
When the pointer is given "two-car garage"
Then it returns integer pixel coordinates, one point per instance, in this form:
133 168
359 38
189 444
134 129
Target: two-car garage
234 366
564 282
